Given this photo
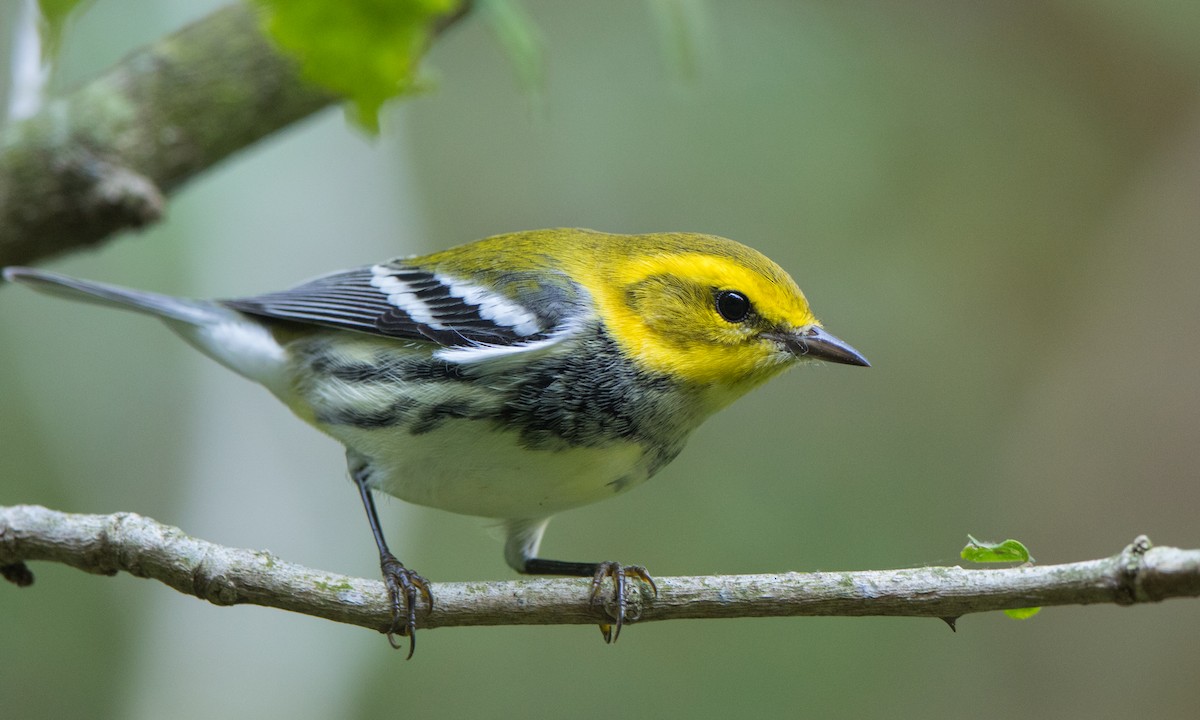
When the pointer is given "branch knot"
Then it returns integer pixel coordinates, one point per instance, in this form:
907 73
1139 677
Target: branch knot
1130 564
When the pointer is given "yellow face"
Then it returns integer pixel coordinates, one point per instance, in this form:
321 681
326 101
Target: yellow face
712 317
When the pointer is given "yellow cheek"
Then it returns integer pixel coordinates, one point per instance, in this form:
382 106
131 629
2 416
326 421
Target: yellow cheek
733 366
685 345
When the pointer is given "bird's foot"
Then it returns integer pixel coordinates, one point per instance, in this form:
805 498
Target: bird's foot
618 607
403 586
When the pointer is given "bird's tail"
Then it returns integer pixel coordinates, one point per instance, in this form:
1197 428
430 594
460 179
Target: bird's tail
241 343
192 312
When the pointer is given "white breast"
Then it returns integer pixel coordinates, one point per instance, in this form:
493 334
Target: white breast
467 467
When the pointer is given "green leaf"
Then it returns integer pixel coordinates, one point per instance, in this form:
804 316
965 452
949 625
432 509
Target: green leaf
55 14
984 552
1007 551
364 50
1022 613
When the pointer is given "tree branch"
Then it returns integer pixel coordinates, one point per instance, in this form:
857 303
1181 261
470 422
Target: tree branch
108 544
102 159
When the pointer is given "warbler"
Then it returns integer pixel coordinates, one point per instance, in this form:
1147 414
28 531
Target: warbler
511 378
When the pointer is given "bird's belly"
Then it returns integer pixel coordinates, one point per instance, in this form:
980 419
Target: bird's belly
469 467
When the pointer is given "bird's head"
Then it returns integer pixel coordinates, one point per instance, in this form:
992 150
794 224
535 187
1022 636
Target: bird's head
708 310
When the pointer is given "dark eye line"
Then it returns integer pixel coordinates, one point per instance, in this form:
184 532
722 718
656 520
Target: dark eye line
732 305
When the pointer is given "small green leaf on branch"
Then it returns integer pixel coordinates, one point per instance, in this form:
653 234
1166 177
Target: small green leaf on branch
1007 551
985 552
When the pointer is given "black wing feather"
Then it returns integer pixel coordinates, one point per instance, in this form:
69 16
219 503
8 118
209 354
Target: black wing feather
352 300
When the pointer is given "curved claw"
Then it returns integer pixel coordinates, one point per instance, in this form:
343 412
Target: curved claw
619 573
402 586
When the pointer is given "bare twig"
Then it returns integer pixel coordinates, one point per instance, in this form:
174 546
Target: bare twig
107 544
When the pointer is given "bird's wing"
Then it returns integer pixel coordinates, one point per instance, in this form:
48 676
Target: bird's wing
398 300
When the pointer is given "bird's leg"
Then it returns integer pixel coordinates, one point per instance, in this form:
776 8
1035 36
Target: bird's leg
520 551
402 584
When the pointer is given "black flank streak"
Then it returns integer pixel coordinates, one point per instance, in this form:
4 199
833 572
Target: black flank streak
387 368
432 417
396 414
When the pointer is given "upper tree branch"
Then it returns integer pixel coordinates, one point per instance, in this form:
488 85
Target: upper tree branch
102 159
107 544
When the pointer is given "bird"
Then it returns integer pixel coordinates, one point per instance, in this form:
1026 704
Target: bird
512 377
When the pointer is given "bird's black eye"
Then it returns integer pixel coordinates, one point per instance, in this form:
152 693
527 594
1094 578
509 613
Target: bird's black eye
732 305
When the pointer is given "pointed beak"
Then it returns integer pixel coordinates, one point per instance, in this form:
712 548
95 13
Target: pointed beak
814 343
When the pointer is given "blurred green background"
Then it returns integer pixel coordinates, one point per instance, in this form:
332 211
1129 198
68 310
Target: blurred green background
998 203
